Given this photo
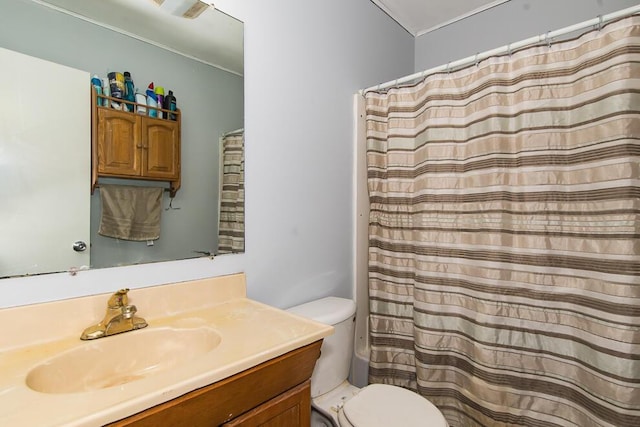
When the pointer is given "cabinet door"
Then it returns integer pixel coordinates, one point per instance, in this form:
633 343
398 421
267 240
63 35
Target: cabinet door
118 143
161 143
290 409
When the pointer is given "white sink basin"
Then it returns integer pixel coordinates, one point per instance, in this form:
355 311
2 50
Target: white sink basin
120 359
201 332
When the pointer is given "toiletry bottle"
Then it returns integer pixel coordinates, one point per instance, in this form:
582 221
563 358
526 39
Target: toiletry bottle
106 90
97 84
129 91
141 100
152 101
159 90
170 104
116 81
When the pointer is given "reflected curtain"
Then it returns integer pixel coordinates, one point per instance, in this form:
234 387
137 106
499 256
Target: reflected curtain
231 226
504 253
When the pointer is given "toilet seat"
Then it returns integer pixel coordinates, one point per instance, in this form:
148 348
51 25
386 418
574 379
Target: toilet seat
379 405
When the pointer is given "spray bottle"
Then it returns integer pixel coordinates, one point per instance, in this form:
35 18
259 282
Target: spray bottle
152 101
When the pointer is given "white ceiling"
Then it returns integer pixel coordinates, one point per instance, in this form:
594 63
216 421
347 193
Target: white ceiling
213 37
217 39
421 16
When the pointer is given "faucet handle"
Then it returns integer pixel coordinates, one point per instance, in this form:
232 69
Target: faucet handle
128 311
119 299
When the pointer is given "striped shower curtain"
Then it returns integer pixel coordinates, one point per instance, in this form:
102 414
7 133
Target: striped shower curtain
504 235
231 226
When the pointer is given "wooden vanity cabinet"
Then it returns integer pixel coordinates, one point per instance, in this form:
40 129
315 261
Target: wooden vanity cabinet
275 393
134 146
291 408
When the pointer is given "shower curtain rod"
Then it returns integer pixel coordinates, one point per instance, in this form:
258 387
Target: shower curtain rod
233 132
546 38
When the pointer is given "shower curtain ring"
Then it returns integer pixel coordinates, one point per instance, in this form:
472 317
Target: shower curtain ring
509 50
448 67
548 39
599 22
477 53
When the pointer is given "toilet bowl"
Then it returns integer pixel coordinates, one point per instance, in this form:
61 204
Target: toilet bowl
376 405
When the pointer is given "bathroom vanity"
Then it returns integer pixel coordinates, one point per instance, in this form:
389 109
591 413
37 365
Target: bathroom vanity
276 392
210 356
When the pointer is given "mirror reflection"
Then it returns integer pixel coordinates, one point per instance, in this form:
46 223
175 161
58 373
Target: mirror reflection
205 217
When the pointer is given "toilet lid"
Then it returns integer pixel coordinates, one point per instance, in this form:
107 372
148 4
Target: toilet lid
386 405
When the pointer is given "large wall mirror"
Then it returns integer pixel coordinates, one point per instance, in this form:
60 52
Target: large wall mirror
199 59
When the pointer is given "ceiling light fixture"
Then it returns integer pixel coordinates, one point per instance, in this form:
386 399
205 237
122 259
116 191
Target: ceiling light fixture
184 8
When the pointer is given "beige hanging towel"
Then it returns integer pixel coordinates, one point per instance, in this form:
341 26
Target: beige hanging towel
130 213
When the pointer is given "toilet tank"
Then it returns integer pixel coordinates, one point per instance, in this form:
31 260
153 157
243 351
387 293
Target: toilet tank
332 368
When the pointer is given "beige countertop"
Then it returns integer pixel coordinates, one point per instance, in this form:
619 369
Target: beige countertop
250 332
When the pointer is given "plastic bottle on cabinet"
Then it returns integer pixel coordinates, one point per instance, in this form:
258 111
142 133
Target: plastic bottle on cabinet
97 84
159 91
116 83
170 103
106 90
152 101
141 100
129 90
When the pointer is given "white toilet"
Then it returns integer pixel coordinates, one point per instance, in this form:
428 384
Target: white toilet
375 405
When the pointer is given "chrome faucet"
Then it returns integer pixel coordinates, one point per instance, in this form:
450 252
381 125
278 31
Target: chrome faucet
120 317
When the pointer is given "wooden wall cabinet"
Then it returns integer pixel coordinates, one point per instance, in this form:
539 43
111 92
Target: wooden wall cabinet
134 146
275 393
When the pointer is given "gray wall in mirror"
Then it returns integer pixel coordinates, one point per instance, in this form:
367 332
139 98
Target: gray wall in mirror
211 101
